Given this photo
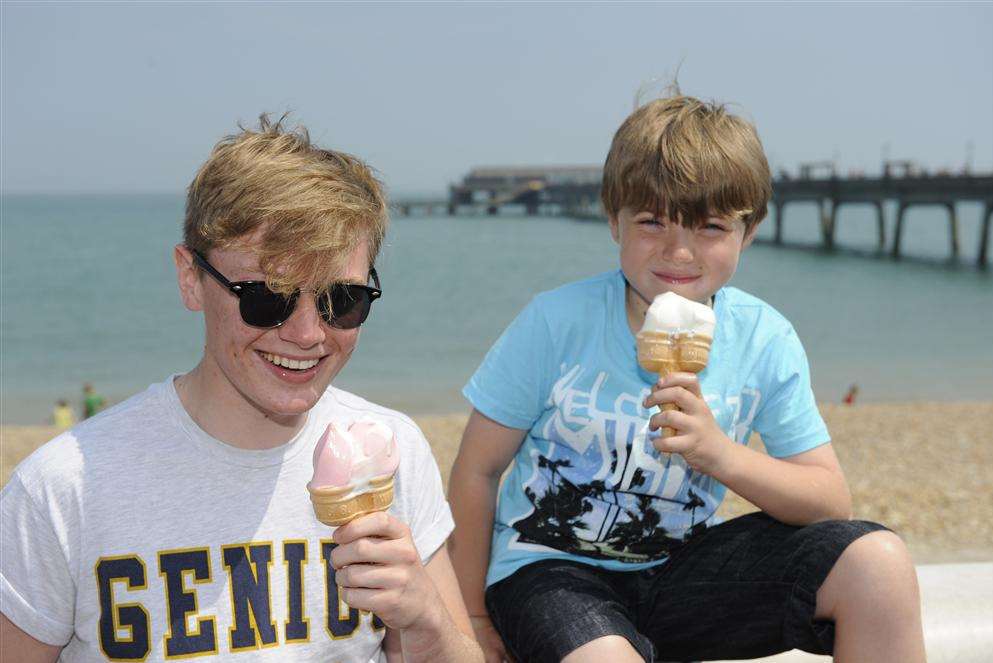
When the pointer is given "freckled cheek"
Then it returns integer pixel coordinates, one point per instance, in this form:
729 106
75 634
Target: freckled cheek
346 341
349 343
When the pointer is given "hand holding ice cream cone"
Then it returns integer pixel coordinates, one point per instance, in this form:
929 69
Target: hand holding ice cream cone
676 336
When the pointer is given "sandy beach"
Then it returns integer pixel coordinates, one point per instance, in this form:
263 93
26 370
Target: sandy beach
923 469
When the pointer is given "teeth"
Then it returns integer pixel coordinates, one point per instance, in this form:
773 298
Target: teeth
297 365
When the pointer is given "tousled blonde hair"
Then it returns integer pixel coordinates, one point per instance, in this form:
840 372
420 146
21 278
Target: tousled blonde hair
310 208
688 160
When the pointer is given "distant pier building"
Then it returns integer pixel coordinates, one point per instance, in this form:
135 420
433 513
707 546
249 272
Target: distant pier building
566 190
575 191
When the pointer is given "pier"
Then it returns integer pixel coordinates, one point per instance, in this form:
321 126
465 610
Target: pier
575 191
900 183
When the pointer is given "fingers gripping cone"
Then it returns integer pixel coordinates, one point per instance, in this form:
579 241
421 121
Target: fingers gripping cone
676 336
663 353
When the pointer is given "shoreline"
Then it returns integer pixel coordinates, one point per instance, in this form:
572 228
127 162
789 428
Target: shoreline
924 469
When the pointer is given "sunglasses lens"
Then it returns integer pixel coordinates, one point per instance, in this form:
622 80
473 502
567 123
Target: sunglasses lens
261 307
346 306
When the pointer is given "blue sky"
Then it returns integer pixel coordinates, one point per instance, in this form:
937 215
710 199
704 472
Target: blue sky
131 97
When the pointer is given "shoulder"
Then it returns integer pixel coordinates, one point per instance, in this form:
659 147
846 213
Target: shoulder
757 318
578 298
110 434
593 287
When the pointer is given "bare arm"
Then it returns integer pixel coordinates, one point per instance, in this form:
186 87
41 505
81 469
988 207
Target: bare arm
16 646
487 448
797 490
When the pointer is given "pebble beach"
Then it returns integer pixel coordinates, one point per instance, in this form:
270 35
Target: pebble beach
923 469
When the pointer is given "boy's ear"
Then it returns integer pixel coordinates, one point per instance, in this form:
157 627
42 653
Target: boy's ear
615 230
188 278
749 236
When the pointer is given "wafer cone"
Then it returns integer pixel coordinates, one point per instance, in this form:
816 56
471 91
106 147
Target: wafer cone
694 351
663 353
334 507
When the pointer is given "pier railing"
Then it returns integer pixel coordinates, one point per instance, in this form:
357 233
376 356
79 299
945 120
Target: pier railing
575 191
940 190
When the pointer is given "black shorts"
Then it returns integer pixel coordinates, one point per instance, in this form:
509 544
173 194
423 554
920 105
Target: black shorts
746 588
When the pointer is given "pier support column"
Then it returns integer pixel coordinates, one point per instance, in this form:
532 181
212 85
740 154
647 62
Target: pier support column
898 232
953 230
881 225
779 222
827 224
984 236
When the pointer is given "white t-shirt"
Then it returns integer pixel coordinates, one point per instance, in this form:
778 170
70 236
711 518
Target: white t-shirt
137 536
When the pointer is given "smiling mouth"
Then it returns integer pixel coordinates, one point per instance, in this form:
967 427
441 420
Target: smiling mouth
291 364
674 278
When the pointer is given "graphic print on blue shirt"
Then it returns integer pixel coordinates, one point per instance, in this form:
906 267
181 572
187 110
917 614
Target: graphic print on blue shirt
597 485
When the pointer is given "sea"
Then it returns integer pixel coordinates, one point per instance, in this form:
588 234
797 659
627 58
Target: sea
88 294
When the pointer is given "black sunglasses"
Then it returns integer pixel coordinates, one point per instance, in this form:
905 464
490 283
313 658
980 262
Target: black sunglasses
343 306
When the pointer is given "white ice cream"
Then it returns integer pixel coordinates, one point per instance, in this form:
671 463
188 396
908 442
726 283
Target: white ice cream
672 314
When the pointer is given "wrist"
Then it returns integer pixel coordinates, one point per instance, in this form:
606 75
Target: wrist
725 468
430 622
427 633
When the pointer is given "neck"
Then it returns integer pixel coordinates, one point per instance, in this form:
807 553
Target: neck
223 413
636 306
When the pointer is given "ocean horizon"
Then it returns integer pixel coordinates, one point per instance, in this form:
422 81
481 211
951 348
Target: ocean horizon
88 294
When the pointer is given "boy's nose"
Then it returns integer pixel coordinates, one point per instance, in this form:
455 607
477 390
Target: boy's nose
305 327
678 245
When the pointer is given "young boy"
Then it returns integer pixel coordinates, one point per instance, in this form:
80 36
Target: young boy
604 542
178 524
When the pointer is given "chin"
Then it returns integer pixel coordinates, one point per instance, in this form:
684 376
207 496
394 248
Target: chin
293 403
293 408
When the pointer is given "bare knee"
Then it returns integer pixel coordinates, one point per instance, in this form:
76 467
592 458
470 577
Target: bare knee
613 648
875 569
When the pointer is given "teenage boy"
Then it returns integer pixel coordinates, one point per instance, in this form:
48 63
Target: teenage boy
178 524
603 544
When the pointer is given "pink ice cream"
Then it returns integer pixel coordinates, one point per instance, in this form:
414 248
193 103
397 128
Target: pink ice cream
368 449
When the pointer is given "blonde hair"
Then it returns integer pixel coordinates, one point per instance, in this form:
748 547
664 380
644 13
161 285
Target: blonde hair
311 207
688 160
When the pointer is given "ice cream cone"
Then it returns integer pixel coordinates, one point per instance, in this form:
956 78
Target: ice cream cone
657 351
664 353
353 471
694 351
335 507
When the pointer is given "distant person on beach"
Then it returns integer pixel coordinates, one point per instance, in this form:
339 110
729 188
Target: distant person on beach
850 396
602 543
178 524
92 401
62 416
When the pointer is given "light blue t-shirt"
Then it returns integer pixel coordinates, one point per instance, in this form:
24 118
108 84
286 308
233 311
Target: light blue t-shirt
587 484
